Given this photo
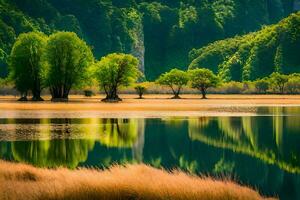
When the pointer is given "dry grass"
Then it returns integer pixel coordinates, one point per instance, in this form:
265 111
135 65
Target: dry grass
19 181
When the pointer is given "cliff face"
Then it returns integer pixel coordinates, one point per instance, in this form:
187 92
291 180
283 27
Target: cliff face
160 33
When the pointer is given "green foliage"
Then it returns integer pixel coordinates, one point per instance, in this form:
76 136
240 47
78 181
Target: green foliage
140 90
26 63
159 33
68 59
115 70
254 55
202 79
278 82
293 84
262 85
175 79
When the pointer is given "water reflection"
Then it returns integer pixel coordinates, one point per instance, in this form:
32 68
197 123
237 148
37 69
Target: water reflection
262 151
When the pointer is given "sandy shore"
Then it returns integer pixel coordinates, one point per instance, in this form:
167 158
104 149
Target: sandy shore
151 106
153 102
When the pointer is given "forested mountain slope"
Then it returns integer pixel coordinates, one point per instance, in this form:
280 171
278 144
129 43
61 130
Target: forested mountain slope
255 55
160 33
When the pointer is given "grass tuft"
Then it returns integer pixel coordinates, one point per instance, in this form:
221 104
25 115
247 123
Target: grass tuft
20 181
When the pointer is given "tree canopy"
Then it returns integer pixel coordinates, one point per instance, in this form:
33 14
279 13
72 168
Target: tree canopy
116 70
27 65
255 55
202 79
68 59
159 33
175 79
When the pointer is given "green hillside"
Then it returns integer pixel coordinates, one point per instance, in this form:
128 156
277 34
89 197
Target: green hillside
160 33
255 55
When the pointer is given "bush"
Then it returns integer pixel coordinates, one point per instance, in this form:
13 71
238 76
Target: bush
140 90
88 93
293 85
232 87
262 85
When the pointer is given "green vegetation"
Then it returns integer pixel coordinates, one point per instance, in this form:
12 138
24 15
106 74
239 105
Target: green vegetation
255 55
27 65
159 33
262 85
293 84
278 82
140 90
68 58
116 70
202 79
175 79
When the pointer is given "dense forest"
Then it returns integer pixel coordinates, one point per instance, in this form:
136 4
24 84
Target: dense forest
254 55
161 33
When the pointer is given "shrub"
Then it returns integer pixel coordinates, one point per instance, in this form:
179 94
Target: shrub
202 79
140 90
262 85
174 79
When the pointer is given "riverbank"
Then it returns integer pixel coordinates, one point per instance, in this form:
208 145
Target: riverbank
151 106
19 181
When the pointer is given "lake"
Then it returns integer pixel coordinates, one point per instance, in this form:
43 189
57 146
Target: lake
260 150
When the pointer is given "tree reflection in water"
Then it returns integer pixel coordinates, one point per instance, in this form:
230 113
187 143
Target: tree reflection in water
260 137
69 152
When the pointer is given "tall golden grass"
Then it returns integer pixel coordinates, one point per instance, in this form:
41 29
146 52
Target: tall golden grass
20 181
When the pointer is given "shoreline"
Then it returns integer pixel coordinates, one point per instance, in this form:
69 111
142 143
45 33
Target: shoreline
153 106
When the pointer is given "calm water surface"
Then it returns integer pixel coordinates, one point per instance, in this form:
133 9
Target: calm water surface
262 151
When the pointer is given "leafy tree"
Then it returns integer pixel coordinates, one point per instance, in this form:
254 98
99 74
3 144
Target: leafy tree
68 59
175 79
140 89
115 70
293 85
278 81
202 79
26 64
262 85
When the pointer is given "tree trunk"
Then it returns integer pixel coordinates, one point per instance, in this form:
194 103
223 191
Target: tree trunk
59 94
140 95
112 96
203 92
23 96
37 96
176 96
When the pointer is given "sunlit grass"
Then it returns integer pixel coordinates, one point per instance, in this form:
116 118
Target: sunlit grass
19 181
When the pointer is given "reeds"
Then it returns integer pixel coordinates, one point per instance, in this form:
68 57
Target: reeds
20 181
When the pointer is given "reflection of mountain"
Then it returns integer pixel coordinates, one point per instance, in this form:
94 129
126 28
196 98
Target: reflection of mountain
260 137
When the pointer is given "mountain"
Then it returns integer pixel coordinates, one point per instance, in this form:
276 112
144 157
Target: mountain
254 55
160 33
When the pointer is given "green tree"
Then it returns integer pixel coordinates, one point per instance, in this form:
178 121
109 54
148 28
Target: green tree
262 85
202 79
115 70
293 85
68 60
278 81
26 64
140 90
175 79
